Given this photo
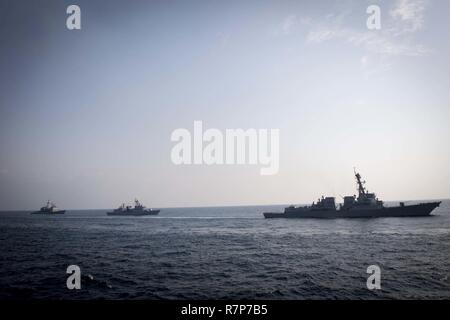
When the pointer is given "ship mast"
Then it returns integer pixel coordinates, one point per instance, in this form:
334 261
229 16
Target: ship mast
361 188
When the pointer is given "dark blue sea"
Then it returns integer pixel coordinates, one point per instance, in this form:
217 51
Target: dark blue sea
222 253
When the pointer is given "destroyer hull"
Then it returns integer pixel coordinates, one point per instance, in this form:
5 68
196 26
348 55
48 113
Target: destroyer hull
418 210
49 213
134 214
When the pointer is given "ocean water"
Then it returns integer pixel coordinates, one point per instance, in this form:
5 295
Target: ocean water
223 253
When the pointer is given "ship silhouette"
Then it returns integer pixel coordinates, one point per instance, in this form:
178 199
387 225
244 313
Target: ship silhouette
366 205
50 208
137 210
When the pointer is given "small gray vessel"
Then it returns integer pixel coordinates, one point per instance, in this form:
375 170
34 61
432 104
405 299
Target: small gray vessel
50 209
366 205
138 210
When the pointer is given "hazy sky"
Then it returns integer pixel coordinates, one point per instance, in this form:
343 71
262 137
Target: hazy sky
86 115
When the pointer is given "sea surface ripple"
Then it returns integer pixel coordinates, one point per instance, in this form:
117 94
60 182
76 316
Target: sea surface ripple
223 253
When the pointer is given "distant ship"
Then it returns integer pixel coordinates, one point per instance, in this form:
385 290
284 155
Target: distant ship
366 205
138 210
50 208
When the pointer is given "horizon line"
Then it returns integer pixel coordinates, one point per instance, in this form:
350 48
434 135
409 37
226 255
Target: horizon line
221 206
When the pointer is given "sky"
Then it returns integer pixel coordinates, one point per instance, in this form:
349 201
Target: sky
86 115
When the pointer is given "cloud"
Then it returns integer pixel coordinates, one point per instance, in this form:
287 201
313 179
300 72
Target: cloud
395 39
410 13
372 42
407 16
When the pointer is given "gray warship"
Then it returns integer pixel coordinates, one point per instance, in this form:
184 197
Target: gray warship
138 210
366 205
50 208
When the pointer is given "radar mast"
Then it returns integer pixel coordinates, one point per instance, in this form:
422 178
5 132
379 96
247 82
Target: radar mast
361 189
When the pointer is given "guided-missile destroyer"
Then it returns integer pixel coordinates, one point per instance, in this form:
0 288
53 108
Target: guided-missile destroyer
366 205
